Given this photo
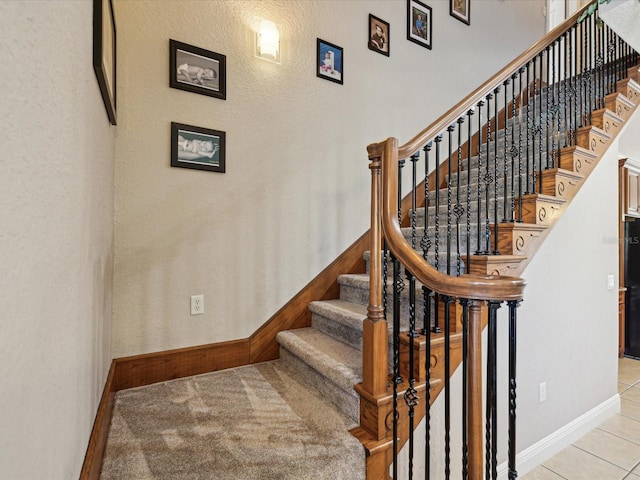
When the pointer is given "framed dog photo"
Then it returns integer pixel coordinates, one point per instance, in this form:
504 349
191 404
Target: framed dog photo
330 62
197 147
419 22
197 70
378 35
461 9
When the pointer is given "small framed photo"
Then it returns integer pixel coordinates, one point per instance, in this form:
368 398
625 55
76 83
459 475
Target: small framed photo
197 70
461 9
330 62
378 35
197 147
419 22
104 54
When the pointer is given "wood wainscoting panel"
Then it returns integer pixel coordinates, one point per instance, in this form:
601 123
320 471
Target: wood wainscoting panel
156 367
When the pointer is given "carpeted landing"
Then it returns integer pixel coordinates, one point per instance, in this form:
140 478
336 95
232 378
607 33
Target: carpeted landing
258 422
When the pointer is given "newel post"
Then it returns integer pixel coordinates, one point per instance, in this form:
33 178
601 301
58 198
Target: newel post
374 331
474 388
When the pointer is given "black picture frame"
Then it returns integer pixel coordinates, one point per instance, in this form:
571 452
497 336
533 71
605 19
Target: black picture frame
208 154
378 35
461 10
197 70
419 23
104 54
330 62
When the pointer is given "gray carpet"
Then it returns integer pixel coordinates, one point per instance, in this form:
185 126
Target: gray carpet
257 422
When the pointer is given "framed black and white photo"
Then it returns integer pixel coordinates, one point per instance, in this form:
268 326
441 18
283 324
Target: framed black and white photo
419 23
378 35
104 54
461 9
198 148
330 62
197 70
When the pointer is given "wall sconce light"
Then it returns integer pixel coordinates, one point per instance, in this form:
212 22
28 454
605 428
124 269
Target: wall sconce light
268 41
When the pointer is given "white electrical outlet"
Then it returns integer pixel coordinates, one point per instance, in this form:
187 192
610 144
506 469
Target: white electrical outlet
197 304
542 392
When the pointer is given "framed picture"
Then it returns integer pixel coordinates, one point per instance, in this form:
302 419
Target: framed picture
197 147
461 9
378 35
330 62
104 54
419 23
197 70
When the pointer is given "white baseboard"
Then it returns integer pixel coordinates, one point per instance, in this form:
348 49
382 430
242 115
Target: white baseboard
546 448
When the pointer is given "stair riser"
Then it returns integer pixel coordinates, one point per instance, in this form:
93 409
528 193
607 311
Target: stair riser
348 334
347 402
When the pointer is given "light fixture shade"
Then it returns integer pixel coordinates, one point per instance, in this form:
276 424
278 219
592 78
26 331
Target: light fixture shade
268 41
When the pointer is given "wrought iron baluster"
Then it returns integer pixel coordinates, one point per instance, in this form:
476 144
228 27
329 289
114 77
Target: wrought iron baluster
414 181
572 89
447 300
398 286
491 428
450 130
591 58
599 68
537 125
479 242
436 232
488 179
528 130
411 394
496 224
548 106
427 390
400 167
565 85
469 154
555 110
458 210
583 84
464 303
505 173
610 59
438 139
426 242
519 216
513 305
514 149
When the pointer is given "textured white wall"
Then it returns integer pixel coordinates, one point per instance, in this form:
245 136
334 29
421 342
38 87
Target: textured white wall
297 184
568 322
56 232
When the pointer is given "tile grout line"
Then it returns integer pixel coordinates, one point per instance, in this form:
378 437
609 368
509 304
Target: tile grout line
604 459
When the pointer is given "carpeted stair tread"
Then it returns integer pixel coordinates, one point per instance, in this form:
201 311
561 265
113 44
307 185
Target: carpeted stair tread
339 319
335 360
346 312
262 421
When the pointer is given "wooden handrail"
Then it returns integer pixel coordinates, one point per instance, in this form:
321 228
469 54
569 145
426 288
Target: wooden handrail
478 287
486 88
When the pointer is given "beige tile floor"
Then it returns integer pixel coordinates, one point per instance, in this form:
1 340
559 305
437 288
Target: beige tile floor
609 452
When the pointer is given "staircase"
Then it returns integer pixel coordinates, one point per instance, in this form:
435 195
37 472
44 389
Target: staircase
330 352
